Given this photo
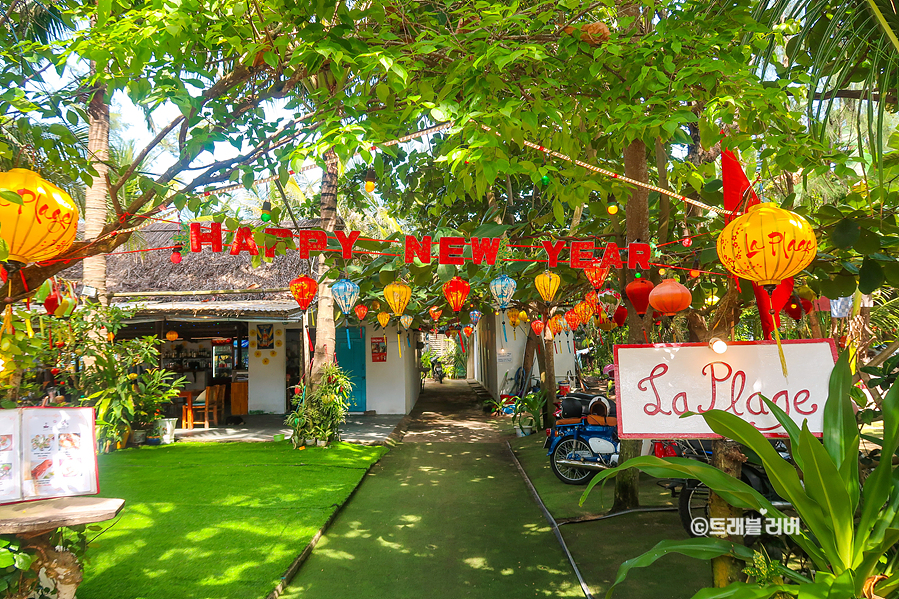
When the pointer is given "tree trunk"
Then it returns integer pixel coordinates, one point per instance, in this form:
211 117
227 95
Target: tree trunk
726 456
530 350
325 331
635 166
95 205
549 376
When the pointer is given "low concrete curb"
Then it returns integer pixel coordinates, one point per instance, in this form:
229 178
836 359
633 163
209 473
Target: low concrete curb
398 432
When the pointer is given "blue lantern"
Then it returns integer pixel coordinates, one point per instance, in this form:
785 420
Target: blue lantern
475 317
502 288
345 294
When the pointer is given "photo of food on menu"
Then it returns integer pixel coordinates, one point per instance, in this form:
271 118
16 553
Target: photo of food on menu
47 452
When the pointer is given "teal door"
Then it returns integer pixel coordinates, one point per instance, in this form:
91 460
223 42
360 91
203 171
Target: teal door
351 357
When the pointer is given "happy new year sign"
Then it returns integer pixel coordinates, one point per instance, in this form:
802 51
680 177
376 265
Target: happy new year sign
658 383
449 249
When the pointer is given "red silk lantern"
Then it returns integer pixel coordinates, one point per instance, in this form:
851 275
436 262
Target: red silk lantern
435 313
807 306
456 290
620 316
584 312
596 274
572 319
670 297
361 310
555 324
794 308
638 292
593 299
303 289
468 330
537 327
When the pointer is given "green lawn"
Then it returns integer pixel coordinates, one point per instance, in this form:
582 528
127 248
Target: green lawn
214 520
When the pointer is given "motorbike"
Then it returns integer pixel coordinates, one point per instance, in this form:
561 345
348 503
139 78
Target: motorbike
584 439
438 373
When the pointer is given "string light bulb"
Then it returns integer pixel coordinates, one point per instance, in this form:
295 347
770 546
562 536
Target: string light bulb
694 273
176 255
545 179
717 345
662 271
612 207
370 179
266 211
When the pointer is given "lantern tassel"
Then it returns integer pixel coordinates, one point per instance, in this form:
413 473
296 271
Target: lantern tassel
780 349
506 337
461 342
514 332
350 345
399 343
7 321
409 340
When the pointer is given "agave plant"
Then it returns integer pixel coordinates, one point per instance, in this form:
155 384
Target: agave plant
848 531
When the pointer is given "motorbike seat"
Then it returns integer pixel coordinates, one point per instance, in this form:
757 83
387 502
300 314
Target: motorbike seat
602 420
563 421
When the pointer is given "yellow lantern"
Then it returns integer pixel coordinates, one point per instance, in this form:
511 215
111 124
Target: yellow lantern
523 316
44 225
397 295
383 319
513 318
548 284
767 245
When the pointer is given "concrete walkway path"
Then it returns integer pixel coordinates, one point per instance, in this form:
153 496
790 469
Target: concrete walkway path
443 515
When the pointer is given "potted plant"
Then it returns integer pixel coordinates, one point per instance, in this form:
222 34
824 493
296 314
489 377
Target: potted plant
528 412
318 413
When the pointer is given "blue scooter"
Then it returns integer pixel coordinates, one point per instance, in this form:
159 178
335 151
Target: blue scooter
585 439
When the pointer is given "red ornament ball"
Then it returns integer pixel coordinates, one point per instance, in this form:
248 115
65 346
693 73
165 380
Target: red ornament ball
686 242
176 257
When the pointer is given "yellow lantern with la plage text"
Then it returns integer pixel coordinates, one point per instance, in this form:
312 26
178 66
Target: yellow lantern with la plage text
767 245
43 226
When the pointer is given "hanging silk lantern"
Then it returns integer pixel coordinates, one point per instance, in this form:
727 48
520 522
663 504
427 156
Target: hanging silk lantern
468 330
456 290
592 298
435 313
502 288
604 323
383 319
555 324
638 293
406 321
609 300
537 326
767 245
670 297
397 295
548 284
303 289
475 316
522 316
375 305
513 318
620 316
794 308
572 320
43 226
595 273
584 312
172 336
361 310
346 293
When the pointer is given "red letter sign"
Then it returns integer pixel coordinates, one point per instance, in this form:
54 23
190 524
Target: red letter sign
451 250
486 247
312 240
198 238
581 253
346 243
243 241
553 250
281 234
414 249
638 254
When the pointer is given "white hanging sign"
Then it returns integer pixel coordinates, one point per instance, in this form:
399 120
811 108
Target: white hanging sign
655 384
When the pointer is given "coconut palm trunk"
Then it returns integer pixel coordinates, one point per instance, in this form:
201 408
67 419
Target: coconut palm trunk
325 331
95 205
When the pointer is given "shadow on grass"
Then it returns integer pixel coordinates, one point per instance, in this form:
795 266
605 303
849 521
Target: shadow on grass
216 521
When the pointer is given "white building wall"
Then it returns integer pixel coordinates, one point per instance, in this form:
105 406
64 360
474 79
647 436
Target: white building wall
268 382
390 389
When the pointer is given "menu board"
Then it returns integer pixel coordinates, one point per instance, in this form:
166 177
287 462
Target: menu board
47 452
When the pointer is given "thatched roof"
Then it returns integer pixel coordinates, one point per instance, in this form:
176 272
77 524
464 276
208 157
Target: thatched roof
154 271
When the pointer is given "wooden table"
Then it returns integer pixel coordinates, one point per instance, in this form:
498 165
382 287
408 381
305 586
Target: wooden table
34 522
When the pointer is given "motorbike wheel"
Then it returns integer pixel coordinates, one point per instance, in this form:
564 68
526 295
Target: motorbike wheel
694 504
568 474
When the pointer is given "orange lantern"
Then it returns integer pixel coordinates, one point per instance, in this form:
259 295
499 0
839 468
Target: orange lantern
397 295
670 297
593 300
548 284
383 319
456 290
595 273
584 312
572 319
468 330
537 327
361 310
555 324
303 289
43 226
171 336
435 313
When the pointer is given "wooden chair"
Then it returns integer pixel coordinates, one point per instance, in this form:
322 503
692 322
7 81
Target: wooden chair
213 403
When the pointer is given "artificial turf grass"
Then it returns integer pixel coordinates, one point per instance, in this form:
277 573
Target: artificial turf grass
601 546
216 520
438 520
